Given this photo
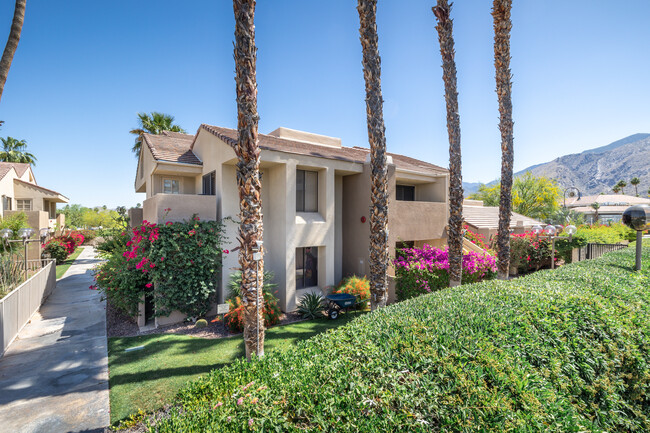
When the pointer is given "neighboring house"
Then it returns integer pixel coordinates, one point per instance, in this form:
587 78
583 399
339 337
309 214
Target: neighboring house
611 207
315 200
484 220
19 192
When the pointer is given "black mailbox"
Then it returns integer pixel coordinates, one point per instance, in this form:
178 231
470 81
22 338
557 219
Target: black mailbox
637 217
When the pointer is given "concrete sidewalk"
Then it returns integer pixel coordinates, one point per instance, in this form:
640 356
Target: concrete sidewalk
54 377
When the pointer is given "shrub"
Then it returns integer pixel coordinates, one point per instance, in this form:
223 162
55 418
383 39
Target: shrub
475 238
14 223
554 351
11 274
201 323
234 319
57 250
121 283
311 306
357 286
114 241
425 270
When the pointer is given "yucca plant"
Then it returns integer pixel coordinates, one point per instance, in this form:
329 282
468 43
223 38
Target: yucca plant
311 306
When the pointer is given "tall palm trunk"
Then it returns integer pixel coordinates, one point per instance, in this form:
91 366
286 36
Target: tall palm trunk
248 176
12 42
455 227
502 26
377 137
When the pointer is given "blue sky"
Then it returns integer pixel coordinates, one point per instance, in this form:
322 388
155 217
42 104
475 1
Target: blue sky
83 70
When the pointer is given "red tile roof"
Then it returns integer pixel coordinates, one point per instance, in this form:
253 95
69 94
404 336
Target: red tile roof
20 167
352 154
172 147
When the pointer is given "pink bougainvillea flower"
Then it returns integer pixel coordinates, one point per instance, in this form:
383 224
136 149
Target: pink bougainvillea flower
148 285
226 252
168 223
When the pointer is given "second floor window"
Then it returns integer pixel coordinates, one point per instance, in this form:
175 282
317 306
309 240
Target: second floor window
306 191
171 186
209 184
25 205
405 192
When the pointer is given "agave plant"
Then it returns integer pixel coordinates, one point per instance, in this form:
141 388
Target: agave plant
311 306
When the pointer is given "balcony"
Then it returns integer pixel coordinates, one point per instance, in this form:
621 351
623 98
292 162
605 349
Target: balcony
417 220
182 207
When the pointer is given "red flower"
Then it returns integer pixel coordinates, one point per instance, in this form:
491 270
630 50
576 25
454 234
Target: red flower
226 251
148 285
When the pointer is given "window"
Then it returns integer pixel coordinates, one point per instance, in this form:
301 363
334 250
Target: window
405 192
306 191
25 204
6 203
171 186
209 184
306 267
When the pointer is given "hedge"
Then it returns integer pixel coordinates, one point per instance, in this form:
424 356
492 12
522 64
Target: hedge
565 351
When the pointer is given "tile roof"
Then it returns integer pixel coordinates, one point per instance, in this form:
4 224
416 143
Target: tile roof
487 217
20 167
351 154
605 200
172 147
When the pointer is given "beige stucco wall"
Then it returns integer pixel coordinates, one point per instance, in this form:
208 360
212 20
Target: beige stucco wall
7 188
182 206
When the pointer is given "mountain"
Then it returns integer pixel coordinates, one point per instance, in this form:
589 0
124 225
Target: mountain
597 170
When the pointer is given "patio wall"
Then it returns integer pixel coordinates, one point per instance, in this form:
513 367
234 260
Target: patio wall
18 307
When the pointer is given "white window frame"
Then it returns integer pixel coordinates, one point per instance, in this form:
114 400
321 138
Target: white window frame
21 202
172 180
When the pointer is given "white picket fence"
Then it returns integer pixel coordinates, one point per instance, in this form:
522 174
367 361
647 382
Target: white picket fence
18 307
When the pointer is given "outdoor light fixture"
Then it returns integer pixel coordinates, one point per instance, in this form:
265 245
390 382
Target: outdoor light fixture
571 230
637 218
537 230
25 233
550 230
559 229
6 233
44 233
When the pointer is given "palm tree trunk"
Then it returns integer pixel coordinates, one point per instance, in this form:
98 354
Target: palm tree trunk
12 42
377 138
455 227
248 178
502 26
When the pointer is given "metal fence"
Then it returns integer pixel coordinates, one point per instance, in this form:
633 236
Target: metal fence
593 251
18 307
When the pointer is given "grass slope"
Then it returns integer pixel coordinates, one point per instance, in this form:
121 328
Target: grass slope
62 268
556 351
146 379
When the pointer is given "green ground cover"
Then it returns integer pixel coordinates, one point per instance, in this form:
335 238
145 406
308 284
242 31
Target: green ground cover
149 378
62 268
566 350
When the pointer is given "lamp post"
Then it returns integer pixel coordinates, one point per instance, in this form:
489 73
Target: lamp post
257 256
573 191
550 231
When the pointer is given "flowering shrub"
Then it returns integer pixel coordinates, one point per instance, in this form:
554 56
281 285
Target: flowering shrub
56 251
425 270
60 247
359 287
529 252
234 319
475 238
181 261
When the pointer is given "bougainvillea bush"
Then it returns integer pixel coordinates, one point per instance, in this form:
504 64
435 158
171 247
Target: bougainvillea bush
475 238
530 252
357 286
426 269
181 261
551 352
61 247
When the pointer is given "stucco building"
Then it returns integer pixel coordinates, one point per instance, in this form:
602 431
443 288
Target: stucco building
484 220
315 200
610 206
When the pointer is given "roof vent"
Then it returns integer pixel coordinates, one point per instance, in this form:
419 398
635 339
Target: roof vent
306 137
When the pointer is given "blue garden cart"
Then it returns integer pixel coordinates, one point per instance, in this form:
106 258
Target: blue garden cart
338 302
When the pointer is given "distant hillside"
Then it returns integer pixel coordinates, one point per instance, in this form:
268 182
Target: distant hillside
597 170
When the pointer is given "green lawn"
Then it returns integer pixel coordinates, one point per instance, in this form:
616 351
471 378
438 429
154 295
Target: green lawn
148 378
60 269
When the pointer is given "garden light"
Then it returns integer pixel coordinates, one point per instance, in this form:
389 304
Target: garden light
559 229
637 218
6 233
550 230
537 230
44 233
25 233
571 230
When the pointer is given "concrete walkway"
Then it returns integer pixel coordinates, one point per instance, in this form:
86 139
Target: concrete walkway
54 377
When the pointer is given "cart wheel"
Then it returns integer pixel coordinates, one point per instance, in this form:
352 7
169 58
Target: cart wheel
333 313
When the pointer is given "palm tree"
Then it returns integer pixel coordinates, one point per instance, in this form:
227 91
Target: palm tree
455 227
377 138
622 184
636 181
12 42
154 123
502 25
248 176
15 151
616 189
595 206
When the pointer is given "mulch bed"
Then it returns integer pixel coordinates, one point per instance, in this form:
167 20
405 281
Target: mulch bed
119 324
